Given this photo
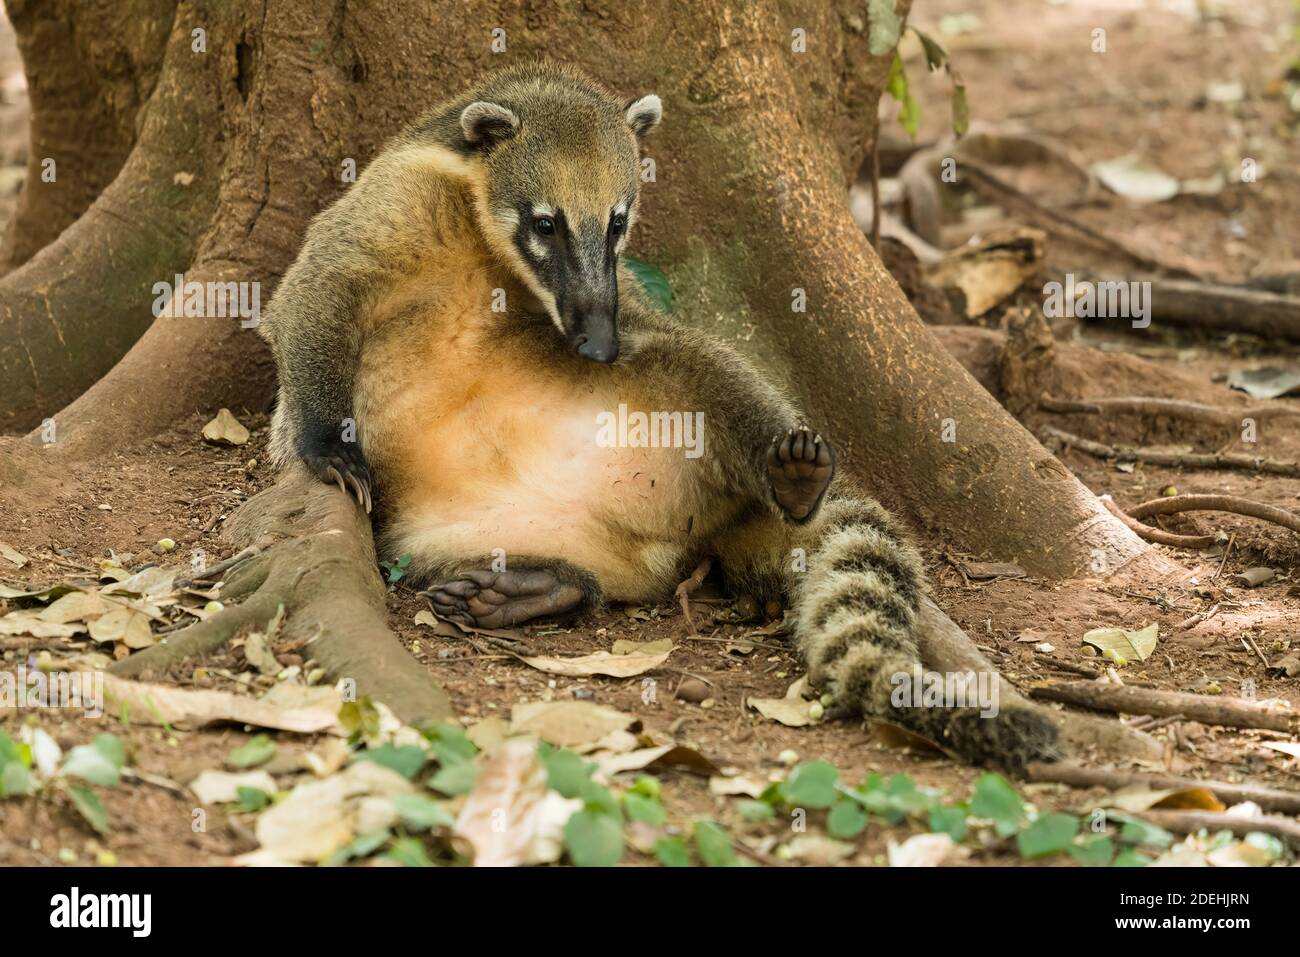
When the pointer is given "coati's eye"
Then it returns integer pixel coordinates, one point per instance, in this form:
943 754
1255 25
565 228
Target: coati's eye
617 224
544 225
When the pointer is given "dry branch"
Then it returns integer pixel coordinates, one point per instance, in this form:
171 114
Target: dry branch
1157 535
1271 799
1229 712
1189 822
1209 306
1175 408
1193 460
1217 503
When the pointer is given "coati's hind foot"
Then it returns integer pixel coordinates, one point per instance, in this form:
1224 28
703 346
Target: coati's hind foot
488 599
800 466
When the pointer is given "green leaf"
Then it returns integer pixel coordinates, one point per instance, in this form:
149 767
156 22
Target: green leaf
653 281
419 813
409 852
454 779
935 55
647 786
756 810
89 762
1139 832
251 799
396 569
638 807
450 743
8 749
672 852
847 819
360 718
1130 858
948 820
112 748
896 85
566 772
258 750
713 845
405 760
15 779
995 799
1093 852
89 807
812 784
1049 834
885 27
363 846
1265 842
594 839
960 108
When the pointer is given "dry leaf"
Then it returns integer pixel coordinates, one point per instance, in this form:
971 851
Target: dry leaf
11 554
791 711
185 708
663 756
1123 643
75 606
1181 799
1286 747
222 787
599 663
818 850
488 734
27 623
509 817
225 429
569 724
924 850
896 736
257 652
125 625
736 787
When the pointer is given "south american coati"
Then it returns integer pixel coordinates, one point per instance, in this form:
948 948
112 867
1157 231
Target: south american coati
459 327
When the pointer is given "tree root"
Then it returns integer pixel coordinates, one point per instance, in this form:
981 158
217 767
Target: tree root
1217 503
1176 408
1157 535
1270 799
1190 460
946 648
1228 712
1189 822
317 559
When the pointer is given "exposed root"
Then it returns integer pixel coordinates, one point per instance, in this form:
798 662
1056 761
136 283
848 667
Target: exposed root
1192 460
316 559
1157 535
1270 799
1217 503
1228 712
1175 408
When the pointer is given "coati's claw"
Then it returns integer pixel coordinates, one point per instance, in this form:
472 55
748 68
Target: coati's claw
800 467
343 466
488 599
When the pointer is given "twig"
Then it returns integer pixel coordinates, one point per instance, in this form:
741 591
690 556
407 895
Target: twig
1207 305
1177 408
1128 699
1257 651
1217 503
1219 571
1270 799
1159 536
220 568
1069 666
1188 822
1175 459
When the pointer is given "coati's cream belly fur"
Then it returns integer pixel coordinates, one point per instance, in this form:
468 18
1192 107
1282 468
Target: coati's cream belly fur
482 454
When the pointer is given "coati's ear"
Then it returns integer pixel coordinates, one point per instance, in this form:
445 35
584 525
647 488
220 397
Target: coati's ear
487 124
643 114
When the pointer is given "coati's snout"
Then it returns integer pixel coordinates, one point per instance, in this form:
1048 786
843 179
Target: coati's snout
591 322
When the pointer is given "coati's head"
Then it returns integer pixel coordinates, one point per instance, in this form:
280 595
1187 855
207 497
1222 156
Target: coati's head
557 195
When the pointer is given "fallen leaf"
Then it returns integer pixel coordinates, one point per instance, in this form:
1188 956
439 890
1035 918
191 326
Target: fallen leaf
663 756
1183 799
1268 382
598 663
1240 854
896 736
222 787
11 554
26 623
75 606
509 817
791 711
125 625
1128 645
150 581
188 708
924 850
1134 178
488 734
568 723
225 429
625 647
817 850
1286 747
257 652
734 787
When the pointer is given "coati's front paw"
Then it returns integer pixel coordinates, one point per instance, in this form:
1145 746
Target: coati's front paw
343 464
488 599
800 466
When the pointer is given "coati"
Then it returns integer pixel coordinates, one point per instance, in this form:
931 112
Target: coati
450 336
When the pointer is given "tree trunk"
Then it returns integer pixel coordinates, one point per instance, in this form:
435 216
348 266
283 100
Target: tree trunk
747 209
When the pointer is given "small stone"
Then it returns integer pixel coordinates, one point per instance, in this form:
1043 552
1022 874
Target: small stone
692 689
788 758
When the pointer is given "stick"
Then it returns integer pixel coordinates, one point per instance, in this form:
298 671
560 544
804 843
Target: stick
1229 712
1217 503
1207 305
1270 799
1188 822
1175 459
1159 536
1178 408
1069 666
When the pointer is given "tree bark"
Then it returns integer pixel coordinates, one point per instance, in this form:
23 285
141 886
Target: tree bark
747 209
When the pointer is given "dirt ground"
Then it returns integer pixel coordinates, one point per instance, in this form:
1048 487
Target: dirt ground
1147 94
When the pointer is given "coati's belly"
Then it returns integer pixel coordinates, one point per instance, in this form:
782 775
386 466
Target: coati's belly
512 464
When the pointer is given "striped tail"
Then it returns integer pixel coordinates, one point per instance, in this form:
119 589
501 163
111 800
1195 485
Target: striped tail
856 611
